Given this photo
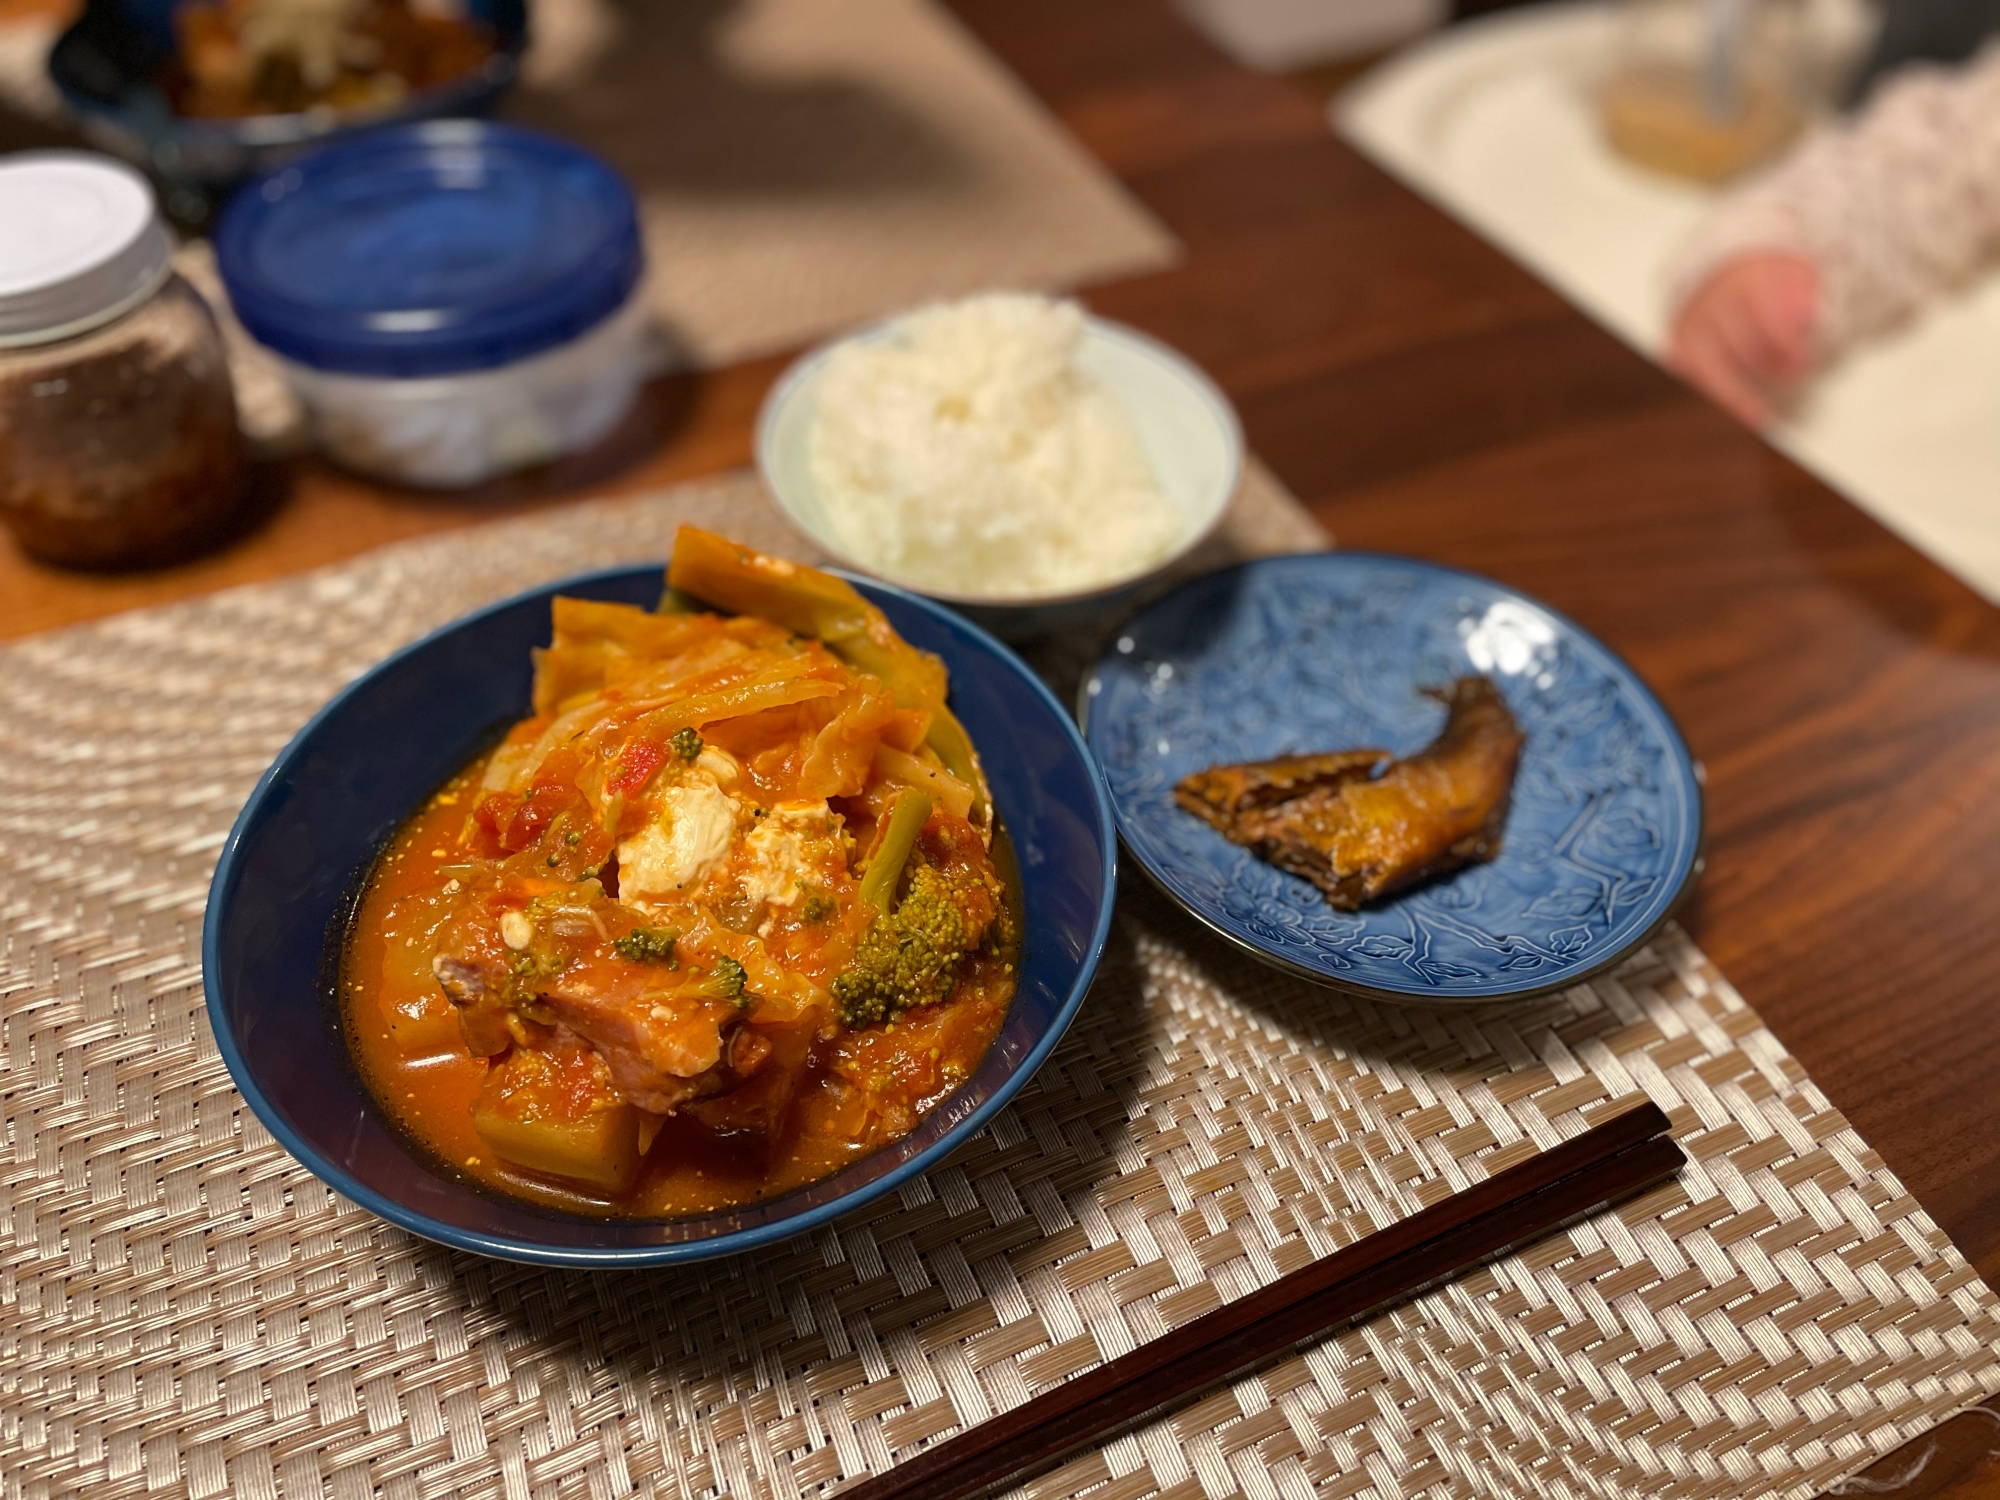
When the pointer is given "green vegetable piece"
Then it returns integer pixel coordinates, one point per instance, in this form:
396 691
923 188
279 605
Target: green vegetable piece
686 743
522 1122
809 602
905 960
725 981
817 909
892 850
954 747
648 945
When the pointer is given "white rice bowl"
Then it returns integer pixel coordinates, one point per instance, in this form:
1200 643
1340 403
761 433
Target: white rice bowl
966 451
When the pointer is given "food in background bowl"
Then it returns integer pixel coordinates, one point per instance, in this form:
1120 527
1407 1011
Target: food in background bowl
235 58
120 69
721 915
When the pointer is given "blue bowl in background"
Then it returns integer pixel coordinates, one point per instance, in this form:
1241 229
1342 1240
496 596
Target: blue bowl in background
304 844
106 67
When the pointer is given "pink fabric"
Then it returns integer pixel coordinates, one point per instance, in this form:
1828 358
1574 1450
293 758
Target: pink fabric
1899 205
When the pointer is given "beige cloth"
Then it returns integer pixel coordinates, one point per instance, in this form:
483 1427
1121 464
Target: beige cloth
1894 208
185 1312
807 165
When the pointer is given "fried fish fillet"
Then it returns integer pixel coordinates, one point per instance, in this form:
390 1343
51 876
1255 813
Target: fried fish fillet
1222 794
1357 839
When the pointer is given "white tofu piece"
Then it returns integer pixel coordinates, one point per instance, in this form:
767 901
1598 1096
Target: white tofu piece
692 828
782 850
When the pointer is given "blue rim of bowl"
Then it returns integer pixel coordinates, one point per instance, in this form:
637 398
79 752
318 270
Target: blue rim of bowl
808 366
734 1242
1697 781
296 128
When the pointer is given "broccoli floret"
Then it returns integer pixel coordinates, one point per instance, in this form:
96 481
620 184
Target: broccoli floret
724 981
908 958
686 743
648 945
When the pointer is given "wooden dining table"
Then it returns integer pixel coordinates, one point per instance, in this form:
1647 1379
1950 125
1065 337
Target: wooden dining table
1423 394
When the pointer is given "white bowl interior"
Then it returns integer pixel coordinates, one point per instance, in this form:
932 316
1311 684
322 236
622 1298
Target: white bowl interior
1185 425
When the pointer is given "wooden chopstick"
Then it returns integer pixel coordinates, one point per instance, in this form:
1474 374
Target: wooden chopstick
1612 1160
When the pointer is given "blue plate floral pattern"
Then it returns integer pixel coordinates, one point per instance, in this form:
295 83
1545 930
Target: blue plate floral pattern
1331 651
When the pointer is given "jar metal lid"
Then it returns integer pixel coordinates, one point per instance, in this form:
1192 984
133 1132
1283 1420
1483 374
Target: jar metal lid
429 250
83 244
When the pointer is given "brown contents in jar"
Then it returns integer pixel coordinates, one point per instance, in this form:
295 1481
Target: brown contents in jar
119 448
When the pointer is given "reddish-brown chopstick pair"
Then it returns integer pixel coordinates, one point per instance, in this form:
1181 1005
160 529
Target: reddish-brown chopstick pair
1613 1160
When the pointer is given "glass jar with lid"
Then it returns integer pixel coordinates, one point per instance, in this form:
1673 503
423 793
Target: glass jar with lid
118 437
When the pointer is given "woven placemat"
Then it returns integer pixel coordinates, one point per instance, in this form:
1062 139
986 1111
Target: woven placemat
801 165
806 165
184 1311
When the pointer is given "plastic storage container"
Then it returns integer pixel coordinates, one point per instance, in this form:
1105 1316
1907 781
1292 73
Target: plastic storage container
450 300
118 440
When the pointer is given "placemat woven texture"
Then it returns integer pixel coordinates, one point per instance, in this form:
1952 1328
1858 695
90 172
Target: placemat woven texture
184 1311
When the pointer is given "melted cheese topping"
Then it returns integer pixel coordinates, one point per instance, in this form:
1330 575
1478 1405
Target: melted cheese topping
690 833
719 764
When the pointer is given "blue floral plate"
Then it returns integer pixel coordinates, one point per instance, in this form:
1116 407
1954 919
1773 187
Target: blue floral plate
1330 651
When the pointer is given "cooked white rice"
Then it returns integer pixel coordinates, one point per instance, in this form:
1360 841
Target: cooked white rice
967 452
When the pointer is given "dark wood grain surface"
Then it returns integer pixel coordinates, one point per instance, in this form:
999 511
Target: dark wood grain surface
1424 395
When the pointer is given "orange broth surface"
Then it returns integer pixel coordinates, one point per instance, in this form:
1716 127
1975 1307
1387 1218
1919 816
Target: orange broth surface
864 1089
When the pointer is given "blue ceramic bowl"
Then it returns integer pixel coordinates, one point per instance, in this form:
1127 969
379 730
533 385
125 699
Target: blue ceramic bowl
105 67
304 844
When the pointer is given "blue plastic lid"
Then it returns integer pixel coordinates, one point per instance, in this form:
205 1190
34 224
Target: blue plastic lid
430 249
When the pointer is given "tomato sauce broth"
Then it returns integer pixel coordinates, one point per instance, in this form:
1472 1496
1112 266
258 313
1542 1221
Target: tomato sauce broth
868 1089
